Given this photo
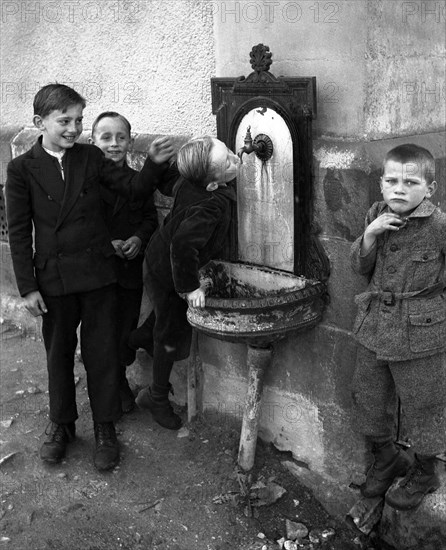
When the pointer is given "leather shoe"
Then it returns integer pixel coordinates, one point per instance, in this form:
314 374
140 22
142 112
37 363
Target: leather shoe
55 445
106 454
421 480
156 400
383 472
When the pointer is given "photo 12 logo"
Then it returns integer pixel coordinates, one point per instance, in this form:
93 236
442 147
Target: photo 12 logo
424 12
424 93
93 92
256 11
74 11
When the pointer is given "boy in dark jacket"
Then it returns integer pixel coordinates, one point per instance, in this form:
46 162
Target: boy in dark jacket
193 233
131 224
401 328
64 261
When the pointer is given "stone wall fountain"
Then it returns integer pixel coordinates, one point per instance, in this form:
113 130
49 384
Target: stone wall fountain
272 279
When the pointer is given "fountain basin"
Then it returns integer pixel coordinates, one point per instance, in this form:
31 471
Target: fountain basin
256 305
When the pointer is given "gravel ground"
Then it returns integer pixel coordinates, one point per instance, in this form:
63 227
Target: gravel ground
168 493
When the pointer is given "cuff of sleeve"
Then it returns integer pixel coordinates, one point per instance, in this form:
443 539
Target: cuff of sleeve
25 291
188 288
371 252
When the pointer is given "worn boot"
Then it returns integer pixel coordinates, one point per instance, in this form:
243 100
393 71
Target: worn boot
421 480
389 463
126 394
156 400
142 337
55 445
106 454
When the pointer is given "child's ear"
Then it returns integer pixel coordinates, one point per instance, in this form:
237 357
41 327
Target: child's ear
131 143
431 188
91 141
381 184
212 186
38 122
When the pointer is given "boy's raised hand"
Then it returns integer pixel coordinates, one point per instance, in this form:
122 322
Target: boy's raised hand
161 149
34 303
386 222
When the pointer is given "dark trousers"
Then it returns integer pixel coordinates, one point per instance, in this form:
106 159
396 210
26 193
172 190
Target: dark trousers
171 333
421 386
129 305
96 311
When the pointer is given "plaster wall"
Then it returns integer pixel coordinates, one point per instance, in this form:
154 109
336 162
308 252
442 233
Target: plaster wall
379 64
150 60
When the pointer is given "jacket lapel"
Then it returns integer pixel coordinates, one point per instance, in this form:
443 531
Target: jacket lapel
75 165
43 169
121 200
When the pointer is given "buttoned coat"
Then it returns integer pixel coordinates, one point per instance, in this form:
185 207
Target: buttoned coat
58 237
193 233
401 263
126 217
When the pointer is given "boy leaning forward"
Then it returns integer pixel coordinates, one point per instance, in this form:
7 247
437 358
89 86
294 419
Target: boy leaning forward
401 329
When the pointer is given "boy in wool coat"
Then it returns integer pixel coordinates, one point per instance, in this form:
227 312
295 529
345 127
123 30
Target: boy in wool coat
193 233
401 328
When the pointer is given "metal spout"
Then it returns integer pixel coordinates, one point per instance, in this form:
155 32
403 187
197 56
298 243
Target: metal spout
248 148
261 145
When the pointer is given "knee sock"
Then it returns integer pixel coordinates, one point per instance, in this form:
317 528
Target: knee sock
162 366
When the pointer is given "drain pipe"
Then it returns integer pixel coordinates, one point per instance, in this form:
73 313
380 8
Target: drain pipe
259 358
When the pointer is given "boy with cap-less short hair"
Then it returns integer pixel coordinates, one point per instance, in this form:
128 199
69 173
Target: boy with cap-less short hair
401 328
131 224
64 261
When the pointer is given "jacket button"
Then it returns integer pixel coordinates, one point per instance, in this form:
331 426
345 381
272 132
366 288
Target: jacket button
391 269
428 320
425 257
393 247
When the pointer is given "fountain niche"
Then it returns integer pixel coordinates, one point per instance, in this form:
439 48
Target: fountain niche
271 281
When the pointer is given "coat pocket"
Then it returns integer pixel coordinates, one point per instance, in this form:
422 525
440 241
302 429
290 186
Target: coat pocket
427 331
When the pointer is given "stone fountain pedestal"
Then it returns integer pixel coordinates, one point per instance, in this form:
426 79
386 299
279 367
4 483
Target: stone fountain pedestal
257 306
258 361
